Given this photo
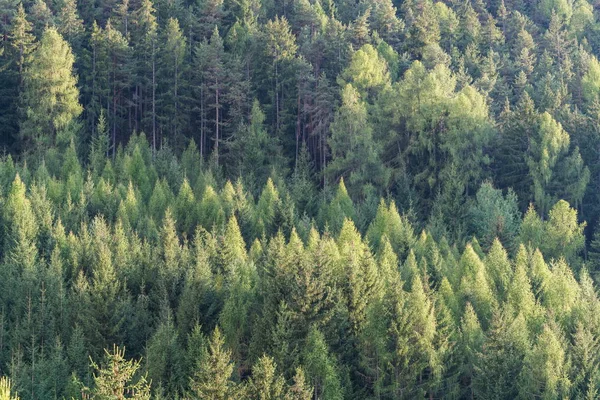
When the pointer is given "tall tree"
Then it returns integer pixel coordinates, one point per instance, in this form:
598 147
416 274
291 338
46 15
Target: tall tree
21 37
171 72
145 37
116 378
50 98
212 379
355 155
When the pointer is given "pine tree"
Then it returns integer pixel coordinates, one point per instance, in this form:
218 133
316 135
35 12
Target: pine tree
499 268
171 72
355 155
265 383
367 72
585 363
210 211
362 284
212 379
6 389
520 297
552 142
145 36
563 235
471 343
501 359
545 370
233 249
185 209
280 46
110 53
70 26
321 369
115 379
50 100
21 37
300 390
99 145
42 17
213 76
253 151
265 213
475 286
163 356
390 223
495 217
594 253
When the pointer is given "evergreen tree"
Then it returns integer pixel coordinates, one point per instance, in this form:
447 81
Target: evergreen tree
321 369
21 37
545 370
5 390
265 383
355 155
115 379
50 95
212 379
69 25
171 71
253 151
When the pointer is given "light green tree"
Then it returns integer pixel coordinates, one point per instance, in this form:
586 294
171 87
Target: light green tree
116 378
50 99
546 369
355 155
5 390
212 379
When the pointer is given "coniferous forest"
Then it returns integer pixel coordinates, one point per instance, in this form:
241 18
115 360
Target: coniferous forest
299 199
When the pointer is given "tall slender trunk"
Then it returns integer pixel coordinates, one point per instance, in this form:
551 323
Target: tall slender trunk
217 123
276 98
297 129
202 120
93 84
136 115
114 130
153 100
176 99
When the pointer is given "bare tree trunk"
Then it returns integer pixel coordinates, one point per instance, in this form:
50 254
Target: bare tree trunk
114 130
297 129
176 99
276 98
153 101
202 121
217 124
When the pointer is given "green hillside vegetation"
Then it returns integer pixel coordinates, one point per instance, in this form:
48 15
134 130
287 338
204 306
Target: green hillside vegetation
299 200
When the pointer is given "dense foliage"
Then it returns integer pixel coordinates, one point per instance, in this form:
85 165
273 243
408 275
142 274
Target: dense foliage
246 199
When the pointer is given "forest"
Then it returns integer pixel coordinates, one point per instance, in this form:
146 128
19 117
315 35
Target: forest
299 199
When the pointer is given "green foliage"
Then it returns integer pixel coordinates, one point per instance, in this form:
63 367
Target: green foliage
545 370
5 389
495 216
263 167
212 379
320 368
367 72
355 155
560 235
115 379
50 95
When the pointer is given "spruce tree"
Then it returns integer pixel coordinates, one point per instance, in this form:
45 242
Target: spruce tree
212 378
321 369
21 37
116 378
50 100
